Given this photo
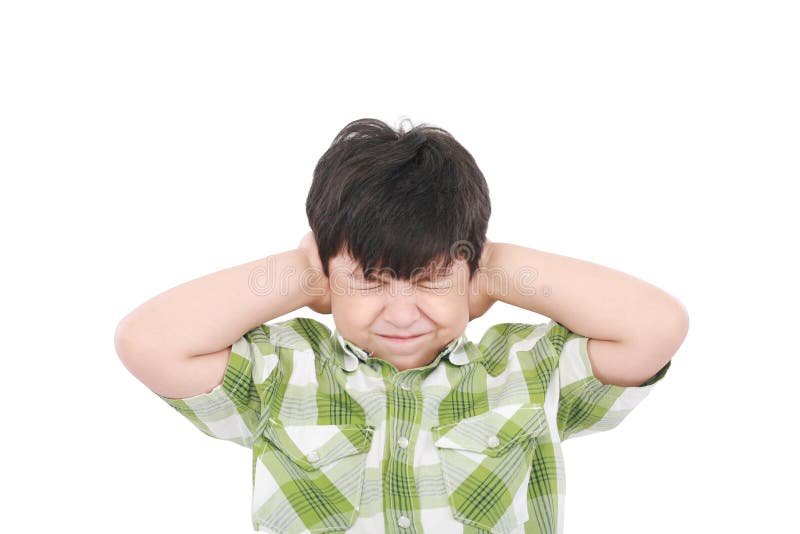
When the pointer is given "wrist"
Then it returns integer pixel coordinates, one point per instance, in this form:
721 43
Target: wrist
313 283
481 297
491 272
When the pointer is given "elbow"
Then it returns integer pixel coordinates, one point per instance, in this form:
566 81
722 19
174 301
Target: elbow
135 355
675 328
130 341
680 326
121 339
125 343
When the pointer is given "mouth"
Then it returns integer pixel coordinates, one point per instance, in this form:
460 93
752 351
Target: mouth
402 339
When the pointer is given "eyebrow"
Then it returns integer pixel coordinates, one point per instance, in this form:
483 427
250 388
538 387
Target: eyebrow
423 277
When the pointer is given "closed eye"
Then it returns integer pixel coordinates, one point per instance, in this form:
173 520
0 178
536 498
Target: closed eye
442 281
428 285
364 283
438 285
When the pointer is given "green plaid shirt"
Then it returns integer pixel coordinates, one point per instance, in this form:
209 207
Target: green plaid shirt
470 443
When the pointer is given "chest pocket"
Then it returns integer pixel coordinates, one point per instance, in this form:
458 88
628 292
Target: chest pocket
486 462
314 476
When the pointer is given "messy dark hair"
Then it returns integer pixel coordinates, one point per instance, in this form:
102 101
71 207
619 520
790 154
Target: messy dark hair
398 200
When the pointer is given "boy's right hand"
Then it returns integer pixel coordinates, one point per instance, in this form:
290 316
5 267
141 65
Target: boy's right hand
317 283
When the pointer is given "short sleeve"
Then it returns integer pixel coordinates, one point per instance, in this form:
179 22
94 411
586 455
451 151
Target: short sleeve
586 405
232 410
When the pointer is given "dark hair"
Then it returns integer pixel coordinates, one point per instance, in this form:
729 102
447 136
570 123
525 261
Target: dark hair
398 200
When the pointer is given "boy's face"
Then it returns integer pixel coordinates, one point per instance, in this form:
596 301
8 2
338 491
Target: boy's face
433 307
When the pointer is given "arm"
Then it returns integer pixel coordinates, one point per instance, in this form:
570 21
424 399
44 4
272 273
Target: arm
634 327
178 343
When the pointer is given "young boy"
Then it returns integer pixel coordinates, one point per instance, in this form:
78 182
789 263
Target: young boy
395 421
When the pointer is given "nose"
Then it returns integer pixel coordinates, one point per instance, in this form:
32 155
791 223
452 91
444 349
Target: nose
401 308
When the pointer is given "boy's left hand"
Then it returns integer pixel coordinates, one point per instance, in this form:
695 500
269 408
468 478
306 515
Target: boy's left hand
479 299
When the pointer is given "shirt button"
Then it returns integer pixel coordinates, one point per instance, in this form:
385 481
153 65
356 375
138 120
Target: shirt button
313 456
405 387
403 522
402 442
493 442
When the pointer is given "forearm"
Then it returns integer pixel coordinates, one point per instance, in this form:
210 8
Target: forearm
589 299
207 314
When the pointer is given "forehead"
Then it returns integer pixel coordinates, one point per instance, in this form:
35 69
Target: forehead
345 264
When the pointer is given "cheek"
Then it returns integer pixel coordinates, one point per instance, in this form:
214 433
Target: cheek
354 308
447 309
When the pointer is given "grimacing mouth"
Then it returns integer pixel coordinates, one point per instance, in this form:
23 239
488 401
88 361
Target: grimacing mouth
405 336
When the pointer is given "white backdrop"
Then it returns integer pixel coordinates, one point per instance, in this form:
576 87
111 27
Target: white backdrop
144 144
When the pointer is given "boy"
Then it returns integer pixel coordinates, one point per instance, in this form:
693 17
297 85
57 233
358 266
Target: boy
395 421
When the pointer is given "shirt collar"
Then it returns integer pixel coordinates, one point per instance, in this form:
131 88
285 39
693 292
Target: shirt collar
347 354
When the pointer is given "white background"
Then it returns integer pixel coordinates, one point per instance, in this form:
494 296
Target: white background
144 144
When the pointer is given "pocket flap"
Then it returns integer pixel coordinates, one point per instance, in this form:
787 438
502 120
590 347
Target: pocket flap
491 433
312 446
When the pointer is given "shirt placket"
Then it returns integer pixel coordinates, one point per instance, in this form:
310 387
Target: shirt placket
404 410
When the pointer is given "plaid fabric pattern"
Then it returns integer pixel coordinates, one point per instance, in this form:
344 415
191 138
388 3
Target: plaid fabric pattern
470 443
